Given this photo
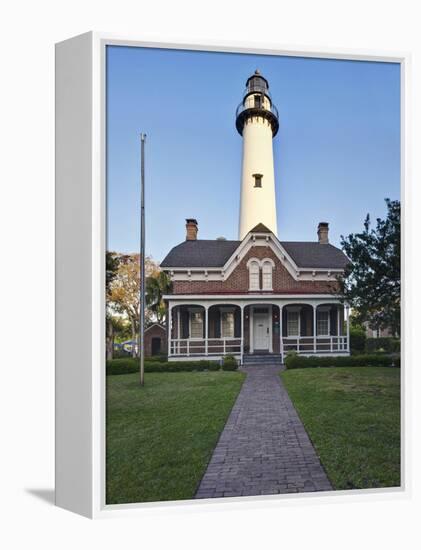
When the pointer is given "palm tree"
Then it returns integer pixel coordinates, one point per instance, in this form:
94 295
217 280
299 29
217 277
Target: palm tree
157 285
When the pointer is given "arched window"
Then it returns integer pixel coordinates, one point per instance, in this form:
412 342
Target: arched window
254 275
267 275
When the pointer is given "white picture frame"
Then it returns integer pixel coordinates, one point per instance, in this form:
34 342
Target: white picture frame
80 268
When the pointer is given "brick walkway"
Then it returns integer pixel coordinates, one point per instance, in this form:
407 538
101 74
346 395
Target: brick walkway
264 448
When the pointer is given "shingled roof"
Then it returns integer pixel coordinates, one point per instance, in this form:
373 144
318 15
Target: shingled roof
200 253
215 253
314 254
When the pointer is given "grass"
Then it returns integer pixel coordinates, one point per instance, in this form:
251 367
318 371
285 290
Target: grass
352 416
161 437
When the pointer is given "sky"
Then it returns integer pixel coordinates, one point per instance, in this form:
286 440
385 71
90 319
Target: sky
337 152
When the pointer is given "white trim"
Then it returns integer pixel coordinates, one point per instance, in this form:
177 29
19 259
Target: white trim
323 310
155 325
253 297
196 310
249 267
268 240
251 332
221 313
201 357
298 311
268 317
266 261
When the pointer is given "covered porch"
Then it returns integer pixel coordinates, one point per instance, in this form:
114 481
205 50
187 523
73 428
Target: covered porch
205 329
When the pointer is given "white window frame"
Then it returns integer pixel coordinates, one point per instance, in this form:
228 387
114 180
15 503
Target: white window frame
254 262
267 262
296 310
193 311
323 310
225 311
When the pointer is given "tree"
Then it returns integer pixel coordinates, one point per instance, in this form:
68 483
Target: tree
157 285
124 291
371 283
116 328
112 261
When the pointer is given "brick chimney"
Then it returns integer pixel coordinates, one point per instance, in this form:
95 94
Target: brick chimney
323 233
191 229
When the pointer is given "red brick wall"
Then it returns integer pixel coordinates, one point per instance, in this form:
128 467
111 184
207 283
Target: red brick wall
238 281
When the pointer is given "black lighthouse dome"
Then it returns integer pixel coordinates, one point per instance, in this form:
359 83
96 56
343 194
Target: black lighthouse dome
257 102
257 83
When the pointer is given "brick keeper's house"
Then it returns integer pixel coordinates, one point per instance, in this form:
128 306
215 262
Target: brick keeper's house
257 295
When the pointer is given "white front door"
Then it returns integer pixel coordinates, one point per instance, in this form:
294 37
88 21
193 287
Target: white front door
261 331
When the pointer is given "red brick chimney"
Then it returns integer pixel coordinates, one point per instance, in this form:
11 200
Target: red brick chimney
323 233
191 229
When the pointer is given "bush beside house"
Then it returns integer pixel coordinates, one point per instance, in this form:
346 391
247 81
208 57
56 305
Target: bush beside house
229 363
383 345
130 365
357 338
294 361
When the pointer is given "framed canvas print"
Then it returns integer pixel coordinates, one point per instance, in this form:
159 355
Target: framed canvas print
229 316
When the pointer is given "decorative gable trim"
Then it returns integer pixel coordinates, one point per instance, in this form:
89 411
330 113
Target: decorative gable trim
253 239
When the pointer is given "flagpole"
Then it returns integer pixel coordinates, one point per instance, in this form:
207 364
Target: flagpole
142 260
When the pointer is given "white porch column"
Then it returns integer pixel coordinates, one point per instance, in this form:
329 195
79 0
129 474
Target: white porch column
241 333
281 329
270 309
347 329
338 318
206 329
314 328
251 343
178 330
170 308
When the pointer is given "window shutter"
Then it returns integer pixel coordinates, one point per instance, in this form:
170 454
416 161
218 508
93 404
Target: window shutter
303 327
284 322
218 325
185 324
237 323
333 322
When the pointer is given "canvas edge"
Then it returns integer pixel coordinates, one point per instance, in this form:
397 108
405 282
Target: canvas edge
99 41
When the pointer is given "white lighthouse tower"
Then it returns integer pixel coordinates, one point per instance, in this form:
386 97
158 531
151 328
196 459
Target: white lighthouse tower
257 121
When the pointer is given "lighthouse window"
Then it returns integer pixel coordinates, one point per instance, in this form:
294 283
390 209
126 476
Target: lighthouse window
257 102
257 180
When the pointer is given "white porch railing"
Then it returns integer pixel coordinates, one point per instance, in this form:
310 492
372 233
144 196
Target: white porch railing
315 344
205 346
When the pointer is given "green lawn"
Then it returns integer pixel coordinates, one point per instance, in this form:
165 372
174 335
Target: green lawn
161 437
352 416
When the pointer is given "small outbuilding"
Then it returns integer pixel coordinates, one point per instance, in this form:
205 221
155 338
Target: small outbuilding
155 340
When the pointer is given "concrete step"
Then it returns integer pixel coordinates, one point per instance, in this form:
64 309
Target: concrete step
262 359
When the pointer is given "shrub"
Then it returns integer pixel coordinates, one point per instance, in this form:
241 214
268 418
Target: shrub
130 365
121 354
357 338
385 345
229 363
161 358
373 360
